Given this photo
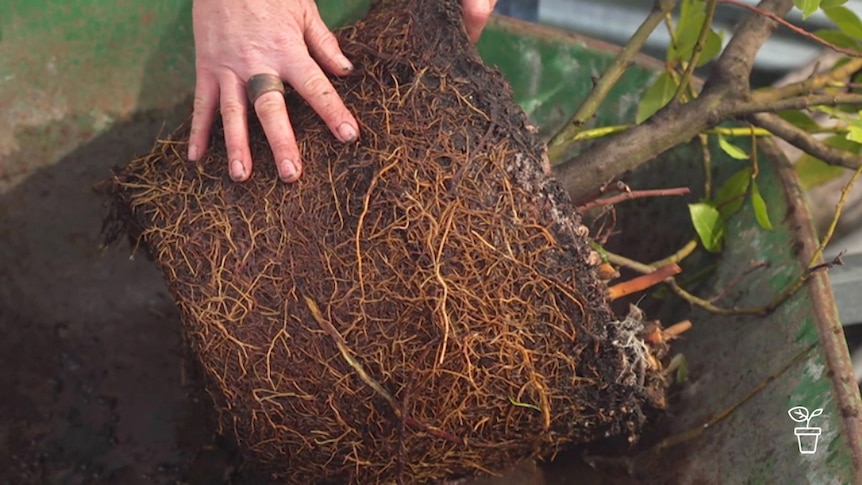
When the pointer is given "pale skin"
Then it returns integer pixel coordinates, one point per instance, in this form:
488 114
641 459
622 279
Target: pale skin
235 40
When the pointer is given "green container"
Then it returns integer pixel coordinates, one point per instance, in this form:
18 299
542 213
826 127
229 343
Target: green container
94 386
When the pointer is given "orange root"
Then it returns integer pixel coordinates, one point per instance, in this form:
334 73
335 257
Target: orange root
641 283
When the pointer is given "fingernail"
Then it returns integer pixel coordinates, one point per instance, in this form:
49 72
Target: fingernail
345 64
287 170
237 171
346 133
193 152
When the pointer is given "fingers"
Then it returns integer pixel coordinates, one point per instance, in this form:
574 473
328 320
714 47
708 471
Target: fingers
203 114
323 46
476 14
235 121
272 113
296 46
308 80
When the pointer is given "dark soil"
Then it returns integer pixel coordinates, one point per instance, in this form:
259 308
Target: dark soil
93 388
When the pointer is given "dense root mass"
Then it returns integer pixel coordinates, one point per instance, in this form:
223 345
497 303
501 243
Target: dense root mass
421 304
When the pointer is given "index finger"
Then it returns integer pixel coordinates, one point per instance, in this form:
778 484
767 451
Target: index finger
311 83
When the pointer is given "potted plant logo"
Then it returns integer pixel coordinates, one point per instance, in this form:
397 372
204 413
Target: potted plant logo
806 436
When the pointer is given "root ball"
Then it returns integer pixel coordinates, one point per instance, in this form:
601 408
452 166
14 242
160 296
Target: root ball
420 305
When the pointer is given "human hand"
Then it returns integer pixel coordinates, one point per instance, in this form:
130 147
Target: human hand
476 14
237 40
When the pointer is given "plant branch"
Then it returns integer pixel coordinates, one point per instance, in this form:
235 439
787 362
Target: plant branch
676 123
561 141
617 154
689 297
810 270
705 29
802 32
594 133
845 191
769 95
678 256
735 63
798 102
634 194
805 142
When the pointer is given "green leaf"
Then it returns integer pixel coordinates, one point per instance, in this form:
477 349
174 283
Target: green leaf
842 143
799 119
731 149
692 17
732 193
808 7
813 171
688 31
831 3
838 38
692 14
656 96
760 212
846 20
711 48
854 131
831 111
708 224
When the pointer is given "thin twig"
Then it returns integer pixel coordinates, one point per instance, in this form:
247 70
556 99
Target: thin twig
756 265
560 141
681 292
601 132
836 261
678 256
845 191
676 123
766 103
805 142
634 194
785 23
676 289
618 186
764 96
780 298
705 29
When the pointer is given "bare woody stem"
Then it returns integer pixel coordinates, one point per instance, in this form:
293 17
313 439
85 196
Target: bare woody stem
677 123
562 140
634 194
802 88
805 142
790 290
797 30
705 29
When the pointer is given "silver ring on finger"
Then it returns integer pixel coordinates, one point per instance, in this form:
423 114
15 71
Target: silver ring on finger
260 84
